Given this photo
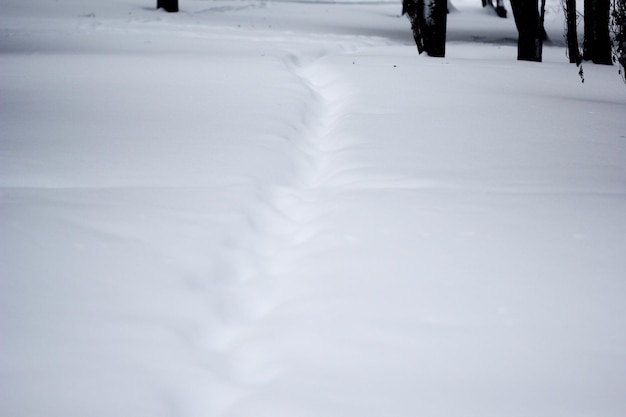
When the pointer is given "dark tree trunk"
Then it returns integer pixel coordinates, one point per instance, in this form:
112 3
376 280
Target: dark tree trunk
597 43
572 33
498 7
529 23
168 5
428 21
618 27
436 23
413 9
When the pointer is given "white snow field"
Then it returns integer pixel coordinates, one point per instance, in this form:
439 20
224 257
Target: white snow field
278 209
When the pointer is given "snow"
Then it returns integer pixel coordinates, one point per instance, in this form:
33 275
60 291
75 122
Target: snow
277 208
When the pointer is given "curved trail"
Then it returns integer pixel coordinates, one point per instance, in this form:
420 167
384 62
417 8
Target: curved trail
251 337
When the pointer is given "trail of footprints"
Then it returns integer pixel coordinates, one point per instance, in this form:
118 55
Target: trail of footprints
282 218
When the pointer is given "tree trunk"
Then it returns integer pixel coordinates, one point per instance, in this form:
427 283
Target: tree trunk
168 5
436 23
618 27
498 7
429 23
529 25
572 33
597 43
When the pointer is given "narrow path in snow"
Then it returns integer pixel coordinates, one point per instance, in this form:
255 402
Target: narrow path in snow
310 196
317 143
264 275
259 273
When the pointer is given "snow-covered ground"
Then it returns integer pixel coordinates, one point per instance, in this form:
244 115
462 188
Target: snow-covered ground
278 209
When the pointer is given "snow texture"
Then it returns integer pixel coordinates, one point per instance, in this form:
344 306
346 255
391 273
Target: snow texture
278 209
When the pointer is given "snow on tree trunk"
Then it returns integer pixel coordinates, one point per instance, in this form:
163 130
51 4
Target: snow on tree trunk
429 23
618 29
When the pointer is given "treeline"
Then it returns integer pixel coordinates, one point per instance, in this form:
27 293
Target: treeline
604 28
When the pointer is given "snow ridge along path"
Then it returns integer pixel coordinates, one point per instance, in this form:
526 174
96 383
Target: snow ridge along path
289 220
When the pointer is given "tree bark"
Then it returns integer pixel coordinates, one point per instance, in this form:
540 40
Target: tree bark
597 43
429 23
572 33
436 23
618 27
168 5
530 29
